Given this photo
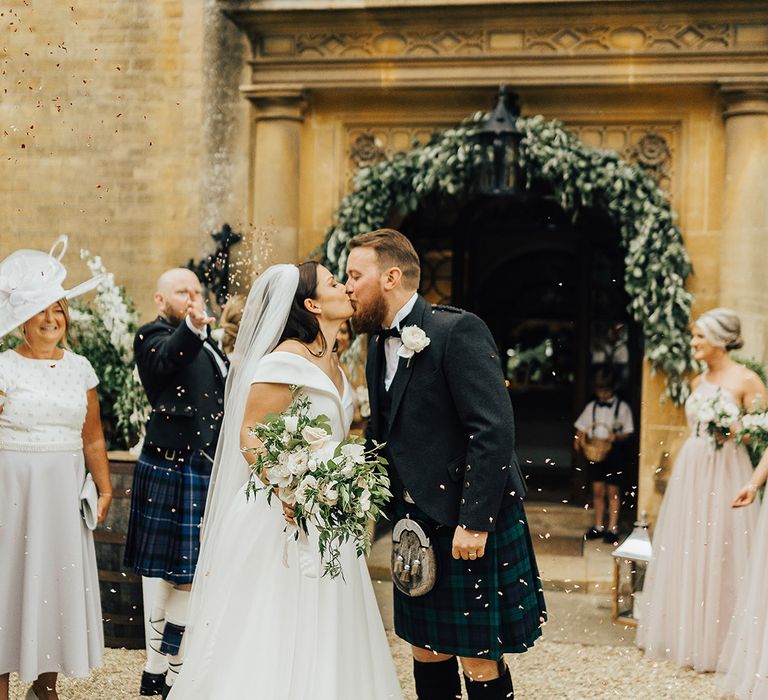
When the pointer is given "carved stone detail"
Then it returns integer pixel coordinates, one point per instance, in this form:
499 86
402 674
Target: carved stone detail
654 39
653 153
651 145
366 150
373 45
367 145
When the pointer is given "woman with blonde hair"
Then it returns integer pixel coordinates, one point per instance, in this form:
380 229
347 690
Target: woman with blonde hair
50 434
700 544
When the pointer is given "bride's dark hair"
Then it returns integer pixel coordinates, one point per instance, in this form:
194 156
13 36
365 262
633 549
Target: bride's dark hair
302 324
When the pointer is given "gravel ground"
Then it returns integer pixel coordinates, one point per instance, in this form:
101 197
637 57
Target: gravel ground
550 671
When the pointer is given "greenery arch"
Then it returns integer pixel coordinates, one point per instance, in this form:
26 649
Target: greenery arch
656 261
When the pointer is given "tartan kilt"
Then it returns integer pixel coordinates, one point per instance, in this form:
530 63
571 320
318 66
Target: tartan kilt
482 608
167 506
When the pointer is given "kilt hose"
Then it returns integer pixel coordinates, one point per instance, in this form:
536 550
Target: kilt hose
482 608
167 506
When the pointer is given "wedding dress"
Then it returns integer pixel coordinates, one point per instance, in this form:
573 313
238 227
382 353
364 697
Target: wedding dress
264 628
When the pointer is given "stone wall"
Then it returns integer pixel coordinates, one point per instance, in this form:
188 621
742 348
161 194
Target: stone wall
101 116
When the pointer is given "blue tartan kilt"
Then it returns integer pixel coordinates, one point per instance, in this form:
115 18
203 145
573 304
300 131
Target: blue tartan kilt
482 608
167 506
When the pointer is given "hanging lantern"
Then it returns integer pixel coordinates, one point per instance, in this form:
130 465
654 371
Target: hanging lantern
630 562
500 139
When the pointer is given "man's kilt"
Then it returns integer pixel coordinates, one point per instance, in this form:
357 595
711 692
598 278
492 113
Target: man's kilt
481 608
167 506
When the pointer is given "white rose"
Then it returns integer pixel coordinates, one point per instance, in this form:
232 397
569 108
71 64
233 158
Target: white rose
291 423
414 340
354 452
329 495
279 475
308 482
365 501
348 470
316 437
298 462
706 414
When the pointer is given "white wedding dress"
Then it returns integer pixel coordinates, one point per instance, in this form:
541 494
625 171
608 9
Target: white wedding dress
267 631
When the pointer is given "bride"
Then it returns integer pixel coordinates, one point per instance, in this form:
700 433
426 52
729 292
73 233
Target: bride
263 622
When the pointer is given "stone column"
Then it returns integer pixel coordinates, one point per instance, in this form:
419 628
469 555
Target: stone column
278 114
744 240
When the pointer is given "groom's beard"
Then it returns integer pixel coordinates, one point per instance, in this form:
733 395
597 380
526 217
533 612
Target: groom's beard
370 319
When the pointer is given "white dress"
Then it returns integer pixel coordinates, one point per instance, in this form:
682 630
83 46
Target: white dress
700 551
266 630
50 613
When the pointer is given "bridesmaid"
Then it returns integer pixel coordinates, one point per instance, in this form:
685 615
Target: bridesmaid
700 544
744 660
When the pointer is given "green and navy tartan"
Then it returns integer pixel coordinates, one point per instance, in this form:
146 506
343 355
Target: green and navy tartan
167 506
482 608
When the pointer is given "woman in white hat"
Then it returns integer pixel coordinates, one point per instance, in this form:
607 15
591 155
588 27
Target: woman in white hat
50 434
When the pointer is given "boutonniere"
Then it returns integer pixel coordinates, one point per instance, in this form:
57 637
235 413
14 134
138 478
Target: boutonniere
414 340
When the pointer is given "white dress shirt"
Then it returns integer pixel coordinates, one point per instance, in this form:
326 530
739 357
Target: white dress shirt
392 345
203 335
607 419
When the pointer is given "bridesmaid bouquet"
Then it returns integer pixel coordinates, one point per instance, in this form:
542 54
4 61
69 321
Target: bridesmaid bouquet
335 486
717 415
754 433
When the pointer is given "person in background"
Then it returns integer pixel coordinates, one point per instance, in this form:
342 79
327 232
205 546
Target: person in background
343 338
609 418
229 323
700 544
50 434
183 374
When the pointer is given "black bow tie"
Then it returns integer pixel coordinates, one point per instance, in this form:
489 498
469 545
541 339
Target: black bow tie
604 404
389 333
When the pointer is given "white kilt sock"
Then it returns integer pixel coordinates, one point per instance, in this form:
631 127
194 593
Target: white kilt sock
155 592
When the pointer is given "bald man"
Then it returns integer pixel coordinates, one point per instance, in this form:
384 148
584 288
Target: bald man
183 375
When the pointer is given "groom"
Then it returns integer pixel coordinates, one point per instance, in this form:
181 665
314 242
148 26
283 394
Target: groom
439 401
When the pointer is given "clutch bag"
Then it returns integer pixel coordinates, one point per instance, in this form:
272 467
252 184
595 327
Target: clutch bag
89 499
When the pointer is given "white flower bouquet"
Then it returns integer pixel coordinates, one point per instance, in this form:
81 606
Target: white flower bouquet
717 416
754 433
335 486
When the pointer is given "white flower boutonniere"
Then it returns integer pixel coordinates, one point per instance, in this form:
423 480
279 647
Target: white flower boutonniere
414 340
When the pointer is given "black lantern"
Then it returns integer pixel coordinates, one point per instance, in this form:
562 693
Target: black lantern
500 139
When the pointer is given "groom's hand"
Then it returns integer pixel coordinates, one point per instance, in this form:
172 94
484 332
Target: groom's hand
469 544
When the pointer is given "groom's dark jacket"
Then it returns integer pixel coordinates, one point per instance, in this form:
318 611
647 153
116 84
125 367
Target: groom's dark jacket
451 433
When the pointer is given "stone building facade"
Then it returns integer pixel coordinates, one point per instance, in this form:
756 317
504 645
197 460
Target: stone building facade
139 128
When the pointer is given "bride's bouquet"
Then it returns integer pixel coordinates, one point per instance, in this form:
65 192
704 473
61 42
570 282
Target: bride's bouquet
335 486
716 415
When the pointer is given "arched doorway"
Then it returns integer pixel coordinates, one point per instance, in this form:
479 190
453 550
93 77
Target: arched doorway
550 286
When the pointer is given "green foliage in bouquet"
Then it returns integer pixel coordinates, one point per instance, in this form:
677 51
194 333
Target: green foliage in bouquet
656 263
337 487
754 431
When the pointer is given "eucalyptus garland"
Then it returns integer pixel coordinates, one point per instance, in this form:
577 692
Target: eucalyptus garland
656 262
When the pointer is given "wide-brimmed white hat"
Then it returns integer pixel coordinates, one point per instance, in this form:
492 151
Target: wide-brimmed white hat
32 280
